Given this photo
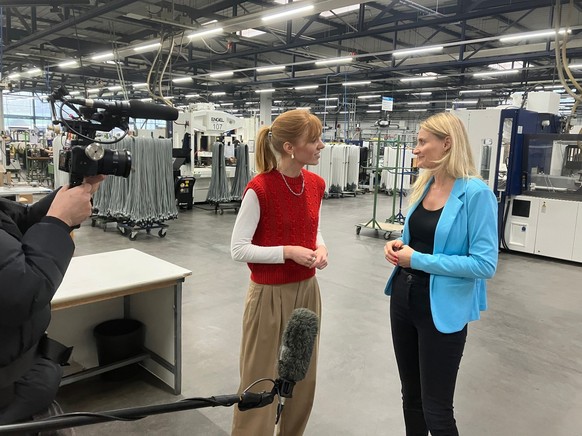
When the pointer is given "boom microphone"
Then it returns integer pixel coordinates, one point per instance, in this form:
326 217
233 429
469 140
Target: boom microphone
296 349
131 108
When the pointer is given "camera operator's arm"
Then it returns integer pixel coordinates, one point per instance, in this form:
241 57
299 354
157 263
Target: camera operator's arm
32 265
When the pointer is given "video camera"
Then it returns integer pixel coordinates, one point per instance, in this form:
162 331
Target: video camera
87 157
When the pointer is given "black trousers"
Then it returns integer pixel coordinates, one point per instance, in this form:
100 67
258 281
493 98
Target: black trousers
32 393
428 360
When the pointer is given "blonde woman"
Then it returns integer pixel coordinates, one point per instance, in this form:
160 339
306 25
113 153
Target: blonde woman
277 233
448 249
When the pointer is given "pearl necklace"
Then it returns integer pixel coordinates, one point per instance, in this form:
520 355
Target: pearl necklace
289 187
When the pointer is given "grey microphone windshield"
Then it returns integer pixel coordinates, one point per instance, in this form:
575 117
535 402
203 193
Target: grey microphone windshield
297 345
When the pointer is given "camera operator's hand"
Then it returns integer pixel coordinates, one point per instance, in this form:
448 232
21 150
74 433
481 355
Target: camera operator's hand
72 205
94 181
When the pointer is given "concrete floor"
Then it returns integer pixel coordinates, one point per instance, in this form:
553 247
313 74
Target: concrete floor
521 374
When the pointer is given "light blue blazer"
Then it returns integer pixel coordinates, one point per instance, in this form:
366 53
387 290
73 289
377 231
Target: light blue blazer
465 254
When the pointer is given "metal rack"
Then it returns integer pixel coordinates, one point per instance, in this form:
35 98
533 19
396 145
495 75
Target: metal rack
396 220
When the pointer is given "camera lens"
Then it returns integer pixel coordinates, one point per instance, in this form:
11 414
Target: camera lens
116 163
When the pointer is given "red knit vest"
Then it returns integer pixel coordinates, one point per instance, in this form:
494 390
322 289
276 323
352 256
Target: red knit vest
286 219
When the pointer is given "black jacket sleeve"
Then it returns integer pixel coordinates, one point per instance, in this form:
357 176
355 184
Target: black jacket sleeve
32 266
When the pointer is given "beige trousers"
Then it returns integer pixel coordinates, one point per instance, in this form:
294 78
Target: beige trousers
267 310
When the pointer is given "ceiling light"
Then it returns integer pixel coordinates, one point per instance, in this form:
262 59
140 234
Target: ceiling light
362 82
145 99
204 33
103 56
225 104
210 22
68 64
418 78
305 108
218 93
277 101
418 102
251 33
140 85
419 50
299 88
575 66
475 91
287 12
532 35
115 88
335 61
340 11
74 92
271 68
495 73
251 102
259 91
373 111
417 110
92 90
192 95
14 76
147 47
369 96
327 98
375 105
33 72
221 74
421 93
467 101
182 79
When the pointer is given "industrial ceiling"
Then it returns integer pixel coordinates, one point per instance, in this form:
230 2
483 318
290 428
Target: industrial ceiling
327 55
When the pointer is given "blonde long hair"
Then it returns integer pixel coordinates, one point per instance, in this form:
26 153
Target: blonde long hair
457 162
287 127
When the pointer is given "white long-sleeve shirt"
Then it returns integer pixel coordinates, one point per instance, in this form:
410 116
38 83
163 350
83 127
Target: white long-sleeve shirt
241 247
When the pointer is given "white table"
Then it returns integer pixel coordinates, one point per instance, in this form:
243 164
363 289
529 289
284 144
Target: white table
121 284
7 191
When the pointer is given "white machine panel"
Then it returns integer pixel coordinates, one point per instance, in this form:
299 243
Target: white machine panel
556 227
521 227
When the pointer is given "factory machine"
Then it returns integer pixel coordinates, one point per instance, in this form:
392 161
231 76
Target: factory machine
536 173
195 131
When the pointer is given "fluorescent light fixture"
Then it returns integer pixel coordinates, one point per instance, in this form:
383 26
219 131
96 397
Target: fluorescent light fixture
145 99
475 91
250 33
419 50
277 101
335 61
251 102
115 88
467 101
14 76
327 98
417 110
260 91
330 107
375 105
288 12
192 95
225 104
369 96
221 74
299 88
102 56
210 22
417 103
373 111
421 93
204 33
271 68
495 73
69 64
575 66
33 72
305 108
362 82
140 85
182 79
418 78
216 93
74 92
532 35
92 90
147 47
340 11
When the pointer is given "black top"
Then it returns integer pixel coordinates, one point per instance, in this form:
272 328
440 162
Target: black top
422 226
